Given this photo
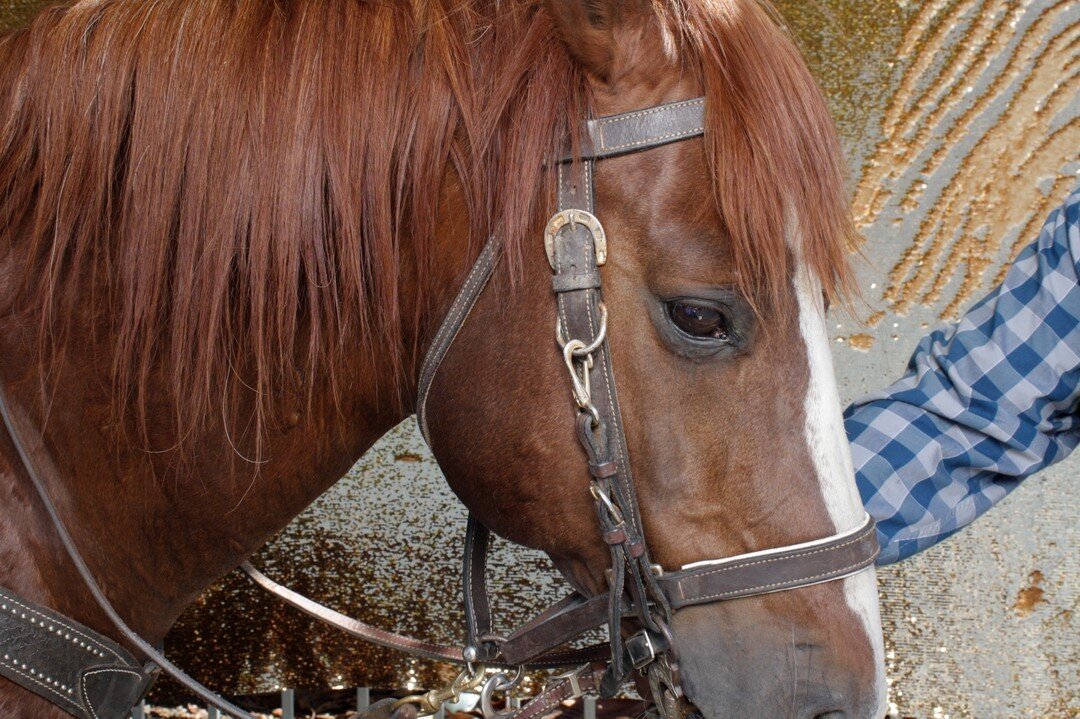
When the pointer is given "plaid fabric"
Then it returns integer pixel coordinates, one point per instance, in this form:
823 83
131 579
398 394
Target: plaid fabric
984 403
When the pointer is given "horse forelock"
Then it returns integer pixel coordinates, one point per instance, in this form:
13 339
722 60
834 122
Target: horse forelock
236 186
772 146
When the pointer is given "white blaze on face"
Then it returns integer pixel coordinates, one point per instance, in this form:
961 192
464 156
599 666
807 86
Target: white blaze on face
828 445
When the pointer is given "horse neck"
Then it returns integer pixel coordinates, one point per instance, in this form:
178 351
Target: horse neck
156 532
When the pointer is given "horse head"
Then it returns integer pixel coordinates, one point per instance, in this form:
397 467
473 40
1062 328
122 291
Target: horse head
723 253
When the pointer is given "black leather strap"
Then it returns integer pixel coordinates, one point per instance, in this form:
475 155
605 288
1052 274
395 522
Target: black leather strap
477 605
470 292
80 671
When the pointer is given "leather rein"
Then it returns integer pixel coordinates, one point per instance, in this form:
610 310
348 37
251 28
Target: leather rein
576 247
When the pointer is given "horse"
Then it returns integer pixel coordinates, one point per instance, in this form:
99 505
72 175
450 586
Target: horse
229 232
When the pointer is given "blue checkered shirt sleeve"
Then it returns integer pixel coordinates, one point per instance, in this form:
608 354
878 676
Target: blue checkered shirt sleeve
984 403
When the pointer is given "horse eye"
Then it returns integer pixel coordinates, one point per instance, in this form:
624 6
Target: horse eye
705 321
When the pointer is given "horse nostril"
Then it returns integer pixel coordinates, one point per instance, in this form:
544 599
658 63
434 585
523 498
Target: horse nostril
831 715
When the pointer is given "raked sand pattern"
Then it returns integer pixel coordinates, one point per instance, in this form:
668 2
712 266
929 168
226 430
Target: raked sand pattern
980 139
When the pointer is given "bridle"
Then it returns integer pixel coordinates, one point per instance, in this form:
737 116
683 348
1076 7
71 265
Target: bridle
576 247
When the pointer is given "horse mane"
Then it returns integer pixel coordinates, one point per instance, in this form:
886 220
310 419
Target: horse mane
237 189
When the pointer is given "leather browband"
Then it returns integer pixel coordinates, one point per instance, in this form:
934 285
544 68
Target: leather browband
640 130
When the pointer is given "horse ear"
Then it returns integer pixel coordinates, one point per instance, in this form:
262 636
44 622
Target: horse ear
590 29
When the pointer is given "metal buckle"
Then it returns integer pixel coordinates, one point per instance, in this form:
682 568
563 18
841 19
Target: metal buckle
573 218
667 695
640 649
574 677
504 685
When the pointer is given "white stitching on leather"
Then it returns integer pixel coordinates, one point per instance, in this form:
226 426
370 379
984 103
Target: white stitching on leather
44 686
660 138
800 555
52 620
792 583
589 200
650 111
559 300
82 690
559 203
614 120
471 616
542 708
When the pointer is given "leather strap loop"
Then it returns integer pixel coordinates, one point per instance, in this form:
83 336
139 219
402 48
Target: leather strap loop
576 281
616 536
603 470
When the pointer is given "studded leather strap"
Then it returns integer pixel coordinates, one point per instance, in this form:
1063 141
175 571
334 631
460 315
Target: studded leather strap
72 666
